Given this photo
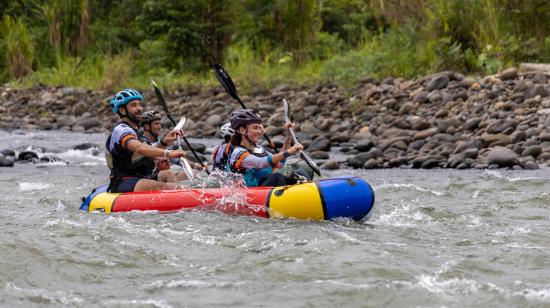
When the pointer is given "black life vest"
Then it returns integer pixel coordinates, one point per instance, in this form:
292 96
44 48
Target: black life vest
126 163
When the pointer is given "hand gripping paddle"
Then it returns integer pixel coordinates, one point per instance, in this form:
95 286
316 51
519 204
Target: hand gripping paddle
162 102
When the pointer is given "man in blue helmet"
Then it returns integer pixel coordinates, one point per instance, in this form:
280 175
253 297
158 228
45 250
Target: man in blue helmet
126 148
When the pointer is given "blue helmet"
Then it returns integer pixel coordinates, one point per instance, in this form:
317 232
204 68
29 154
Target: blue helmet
124 97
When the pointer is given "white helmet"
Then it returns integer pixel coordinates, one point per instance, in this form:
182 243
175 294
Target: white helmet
226 130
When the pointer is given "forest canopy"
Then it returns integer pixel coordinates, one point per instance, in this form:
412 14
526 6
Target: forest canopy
106 44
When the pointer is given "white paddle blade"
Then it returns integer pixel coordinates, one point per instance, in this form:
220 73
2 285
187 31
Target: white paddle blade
187 169
286 107
180 124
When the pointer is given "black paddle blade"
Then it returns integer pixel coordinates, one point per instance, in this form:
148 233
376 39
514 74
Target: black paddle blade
311 163
226 81
162 102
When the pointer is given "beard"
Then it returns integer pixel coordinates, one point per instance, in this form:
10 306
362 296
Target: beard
134 117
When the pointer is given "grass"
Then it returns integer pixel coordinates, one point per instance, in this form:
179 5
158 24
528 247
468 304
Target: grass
469 36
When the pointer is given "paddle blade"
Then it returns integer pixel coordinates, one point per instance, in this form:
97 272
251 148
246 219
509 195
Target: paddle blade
187 169
162 102
180 124
287 110
311 163
226 81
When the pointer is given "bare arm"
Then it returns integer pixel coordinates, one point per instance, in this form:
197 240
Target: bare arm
150 151
254 162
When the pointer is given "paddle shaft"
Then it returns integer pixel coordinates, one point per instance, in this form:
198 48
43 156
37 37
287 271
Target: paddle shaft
303 154
229 86
188 144
167 111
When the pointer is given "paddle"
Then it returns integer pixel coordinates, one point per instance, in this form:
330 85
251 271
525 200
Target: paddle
229 87
183 162
162 102
303 154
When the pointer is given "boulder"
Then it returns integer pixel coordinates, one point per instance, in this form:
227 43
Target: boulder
85 146
371 164
214 120
27 155
503 157
319 155
88 123
198 147
65 120
363 145
340 137
418 123
438 82
495 139
320 143
5 162
533 151
79 109
509 73
425 133
330 164
8 152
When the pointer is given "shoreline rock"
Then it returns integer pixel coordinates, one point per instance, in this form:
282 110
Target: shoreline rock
444 120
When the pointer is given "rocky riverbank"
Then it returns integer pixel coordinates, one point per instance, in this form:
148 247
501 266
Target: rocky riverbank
444 120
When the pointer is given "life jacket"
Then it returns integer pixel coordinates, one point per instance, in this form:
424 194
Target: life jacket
125 163
221 162
252 177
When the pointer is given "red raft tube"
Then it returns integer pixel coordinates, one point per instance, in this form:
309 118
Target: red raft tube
348 196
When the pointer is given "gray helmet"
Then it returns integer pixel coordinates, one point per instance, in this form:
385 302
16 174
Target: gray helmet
148 117
243 117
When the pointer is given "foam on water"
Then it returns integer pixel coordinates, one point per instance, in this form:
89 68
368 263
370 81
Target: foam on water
344 285
437 238
405 214
542 295
199 284
409 185
42 296
29 186
137 303
499 175
449 287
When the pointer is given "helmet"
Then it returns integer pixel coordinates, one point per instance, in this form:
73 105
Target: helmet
243 117
149 117
226 130
124 97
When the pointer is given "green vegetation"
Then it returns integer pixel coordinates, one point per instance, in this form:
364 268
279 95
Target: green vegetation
103 44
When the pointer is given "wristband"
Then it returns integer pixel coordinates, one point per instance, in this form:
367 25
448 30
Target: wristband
286 154
162 143
167 153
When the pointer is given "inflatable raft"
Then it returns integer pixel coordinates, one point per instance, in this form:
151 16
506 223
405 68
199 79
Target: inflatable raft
349 197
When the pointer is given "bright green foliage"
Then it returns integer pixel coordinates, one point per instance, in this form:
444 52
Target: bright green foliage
17 47
193 32
68 25
112 43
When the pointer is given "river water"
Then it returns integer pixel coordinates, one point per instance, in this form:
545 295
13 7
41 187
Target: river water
436 238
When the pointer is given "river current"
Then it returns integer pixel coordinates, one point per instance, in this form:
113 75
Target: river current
436 238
